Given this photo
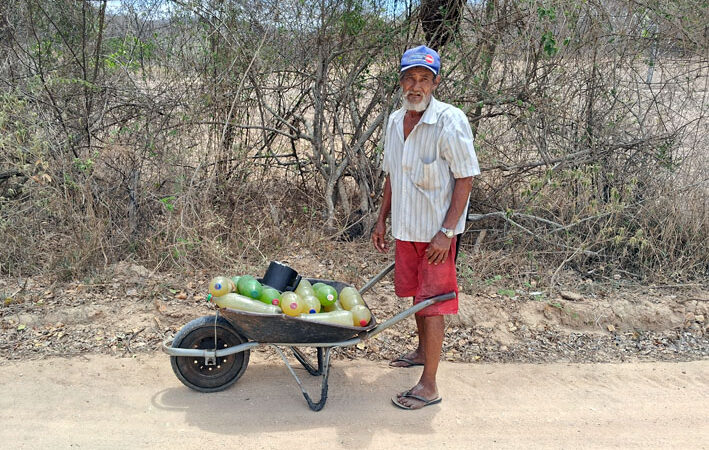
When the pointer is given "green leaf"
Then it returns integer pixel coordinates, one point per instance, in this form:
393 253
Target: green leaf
168 202
549 43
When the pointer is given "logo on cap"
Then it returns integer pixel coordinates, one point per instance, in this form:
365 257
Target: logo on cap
421 56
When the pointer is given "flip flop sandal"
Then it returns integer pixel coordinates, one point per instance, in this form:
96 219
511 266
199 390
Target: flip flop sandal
425 402
406 362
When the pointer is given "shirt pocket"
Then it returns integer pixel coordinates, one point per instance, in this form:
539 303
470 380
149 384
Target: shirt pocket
427 175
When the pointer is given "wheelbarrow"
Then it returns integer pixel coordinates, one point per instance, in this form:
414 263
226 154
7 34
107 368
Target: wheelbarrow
211 353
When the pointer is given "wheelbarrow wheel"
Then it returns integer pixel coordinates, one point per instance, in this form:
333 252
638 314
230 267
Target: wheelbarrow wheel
194 371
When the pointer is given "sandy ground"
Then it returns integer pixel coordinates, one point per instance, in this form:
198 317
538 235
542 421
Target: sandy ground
105 402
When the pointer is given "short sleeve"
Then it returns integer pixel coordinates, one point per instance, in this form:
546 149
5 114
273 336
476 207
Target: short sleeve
457 146
385 159
386 165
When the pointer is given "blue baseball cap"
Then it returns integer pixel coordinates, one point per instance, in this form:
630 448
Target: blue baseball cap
421 56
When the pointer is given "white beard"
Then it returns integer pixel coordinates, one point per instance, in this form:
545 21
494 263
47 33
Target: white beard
417 107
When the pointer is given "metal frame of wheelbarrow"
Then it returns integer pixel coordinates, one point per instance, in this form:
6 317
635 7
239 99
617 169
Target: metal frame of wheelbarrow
323 348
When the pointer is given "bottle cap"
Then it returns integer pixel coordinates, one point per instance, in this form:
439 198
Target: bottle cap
209 297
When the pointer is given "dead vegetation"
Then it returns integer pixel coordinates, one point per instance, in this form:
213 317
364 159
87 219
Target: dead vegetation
193 138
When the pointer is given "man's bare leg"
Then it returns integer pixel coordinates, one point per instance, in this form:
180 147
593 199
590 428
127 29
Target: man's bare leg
434 329
417 356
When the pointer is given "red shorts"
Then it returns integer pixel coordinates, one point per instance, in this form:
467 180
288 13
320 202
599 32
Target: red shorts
415 277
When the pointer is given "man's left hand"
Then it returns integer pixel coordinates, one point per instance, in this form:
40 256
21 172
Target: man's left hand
438 249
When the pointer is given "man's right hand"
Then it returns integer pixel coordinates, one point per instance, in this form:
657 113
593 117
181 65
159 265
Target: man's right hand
380 242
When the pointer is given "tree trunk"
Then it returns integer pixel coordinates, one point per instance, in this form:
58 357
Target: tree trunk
440 20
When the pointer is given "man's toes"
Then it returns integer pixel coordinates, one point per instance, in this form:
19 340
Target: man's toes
412 402
403 394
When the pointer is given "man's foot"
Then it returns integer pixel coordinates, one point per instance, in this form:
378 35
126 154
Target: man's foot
409 360
407 400
417 397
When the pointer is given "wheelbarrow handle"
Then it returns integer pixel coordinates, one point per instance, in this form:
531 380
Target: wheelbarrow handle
408 312
376 278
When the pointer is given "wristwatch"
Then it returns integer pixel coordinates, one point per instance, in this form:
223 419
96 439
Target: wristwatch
449 233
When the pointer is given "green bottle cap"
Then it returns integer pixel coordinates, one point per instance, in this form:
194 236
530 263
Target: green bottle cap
209 297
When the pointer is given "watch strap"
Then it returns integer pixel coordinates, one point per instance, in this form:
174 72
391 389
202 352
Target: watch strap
448 232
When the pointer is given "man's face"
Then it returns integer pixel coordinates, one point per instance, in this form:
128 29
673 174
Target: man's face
418 84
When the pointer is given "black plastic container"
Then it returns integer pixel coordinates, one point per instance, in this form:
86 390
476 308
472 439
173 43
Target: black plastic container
280 276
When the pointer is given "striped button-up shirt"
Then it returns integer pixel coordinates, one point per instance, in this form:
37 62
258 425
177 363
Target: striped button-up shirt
422 169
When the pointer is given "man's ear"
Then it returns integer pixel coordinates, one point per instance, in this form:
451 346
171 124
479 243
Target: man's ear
436 80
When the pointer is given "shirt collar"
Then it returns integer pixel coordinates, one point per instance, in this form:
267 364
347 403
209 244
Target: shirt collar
430 116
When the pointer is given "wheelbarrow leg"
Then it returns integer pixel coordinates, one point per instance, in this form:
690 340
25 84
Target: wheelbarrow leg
302 359
324 371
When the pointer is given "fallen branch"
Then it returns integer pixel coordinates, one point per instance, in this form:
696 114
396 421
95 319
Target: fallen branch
128 349
531 165
9 174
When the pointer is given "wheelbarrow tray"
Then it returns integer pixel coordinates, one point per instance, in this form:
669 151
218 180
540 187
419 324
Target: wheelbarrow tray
284 329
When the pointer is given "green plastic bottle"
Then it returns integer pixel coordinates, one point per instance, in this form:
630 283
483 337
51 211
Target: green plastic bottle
270 296
250 287
239 302
326 294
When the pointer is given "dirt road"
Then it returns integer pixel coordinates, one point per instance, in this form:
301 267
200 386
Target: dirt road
106 402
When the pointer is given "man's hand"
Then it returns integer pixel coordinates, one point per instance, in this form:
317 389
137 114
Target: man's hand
380 242
438 249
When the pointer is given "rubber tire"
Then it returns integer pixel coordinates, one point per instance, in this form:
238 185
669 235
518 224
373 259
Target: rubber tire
199 333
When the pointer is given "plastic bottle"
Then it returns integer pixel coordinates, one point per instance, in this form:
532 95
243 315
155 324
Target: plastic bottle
360 315
291 304
233 300
312 304
219 286
326 294
270 296
304 288
317 285
333 318
349 297
250 287
334 307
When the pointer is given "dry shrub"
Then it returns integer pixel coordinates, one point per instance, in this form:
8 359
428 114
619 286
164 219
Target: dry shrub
652 230
141 144
674 231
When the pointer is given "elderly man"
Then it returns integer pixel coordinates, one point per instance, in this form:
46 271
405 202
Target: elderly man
430 162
